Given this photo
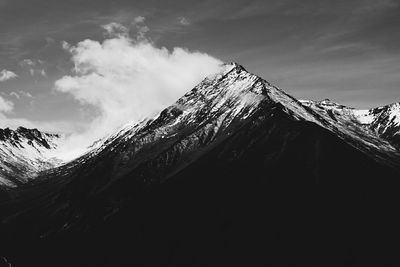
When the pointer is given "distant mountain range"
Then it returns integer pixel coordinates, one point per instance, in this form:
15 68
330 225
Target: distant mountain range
382 121
24 153
236 172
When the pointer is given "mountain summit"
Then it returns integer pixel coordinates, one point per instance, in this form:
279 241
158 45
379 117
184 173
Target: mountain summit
235 172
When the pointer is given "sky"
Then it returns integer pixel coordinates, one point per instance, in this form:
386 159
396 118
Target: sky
71 66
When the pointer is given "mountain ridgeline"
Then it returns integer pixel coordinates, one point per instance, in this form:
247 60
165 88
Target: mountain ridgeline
236 172
24 153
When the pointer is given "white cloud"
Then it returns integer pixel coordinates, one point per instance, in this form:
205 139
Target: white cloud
140 27
42 72
114 29
183 21
27 62
6 106
142 30
65 45
34 66
26 94
15 94
21 93
127 79
7 75
139 19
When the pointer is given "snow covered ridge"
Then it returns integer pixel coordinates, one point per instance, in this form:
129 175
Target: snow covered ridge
384 121
218 105
214 108
24 153
363 116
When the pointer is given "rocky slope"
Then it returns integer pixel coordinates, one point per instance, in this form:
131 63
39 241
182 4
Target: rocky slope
384 121
24 153
236 172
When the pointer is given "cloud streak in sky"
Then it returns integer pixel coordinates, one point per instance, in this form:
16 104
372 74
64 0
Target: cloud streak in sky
6 75
5 105
127 79
34 66
183 21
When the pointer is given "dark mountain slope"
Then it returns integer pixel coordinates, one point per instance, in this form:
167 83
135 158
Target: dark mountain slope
236 172
276 192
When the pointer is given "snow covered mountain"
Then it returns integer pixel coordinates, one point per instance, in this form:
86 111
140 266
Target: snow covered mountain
234 169
219 105
24 153
386 121
382 121
219 102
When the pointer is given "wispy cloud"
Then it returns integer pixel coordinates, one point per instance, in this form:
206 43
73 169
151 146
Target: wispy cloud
183 21
6 75
34 66
139 19
141 27
114 29
6 106
372 6
26 94
15 94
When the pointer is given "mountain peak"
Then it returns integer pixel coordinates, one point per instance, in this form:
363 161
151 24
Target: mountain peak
235 65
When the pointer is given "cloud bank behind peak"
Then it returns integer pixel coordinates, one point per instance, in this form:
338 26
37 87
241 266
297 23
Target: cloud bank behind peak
126 79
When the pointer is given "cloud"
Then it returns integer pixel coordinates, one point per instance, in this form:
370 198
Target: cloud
372 6
26 94
6 106
183 21
6 75
141 27
16 95
65 45
27 62
114 29
139 19
59 126
34 66
21 93
42 72
127 79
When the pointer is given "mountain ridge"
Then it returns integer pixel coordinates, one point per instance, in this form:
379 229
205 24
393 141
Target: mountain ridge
24 153
242 91
233 171
384 120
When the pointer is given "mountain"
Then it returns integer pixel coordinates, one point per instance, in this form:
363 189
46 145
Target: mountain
235 172
24 153
386 121
383 121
